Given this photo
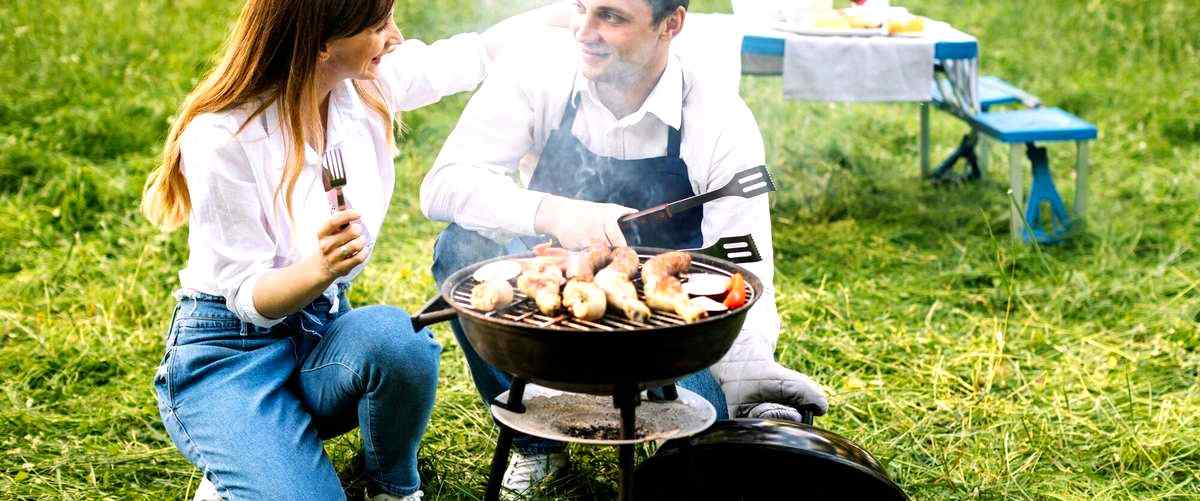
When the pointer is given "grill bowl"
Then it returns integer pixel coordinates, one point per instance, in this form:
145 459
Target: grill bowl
596 360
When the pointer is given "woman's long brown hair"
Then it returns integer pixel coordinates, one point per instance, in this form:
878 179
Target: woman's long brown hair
270 56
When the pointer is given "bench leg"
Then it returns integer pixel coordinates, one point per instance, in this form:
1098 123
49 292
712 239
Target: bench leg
1016 181
924 140
1081 178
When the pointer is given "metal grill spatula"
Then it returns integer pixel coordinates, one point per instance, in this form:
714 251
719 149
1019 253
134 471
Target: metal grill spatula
739 249
746 184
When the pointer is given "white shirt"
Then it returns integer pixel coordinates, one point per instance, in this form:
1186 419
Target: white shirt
239 228
474 180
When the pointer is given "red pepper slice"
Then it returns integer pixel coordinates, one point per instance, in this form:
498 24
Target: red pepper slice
737 291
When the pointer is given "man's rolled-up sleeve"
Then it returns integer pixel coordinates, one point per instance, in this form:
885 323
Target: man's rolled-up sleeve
473 180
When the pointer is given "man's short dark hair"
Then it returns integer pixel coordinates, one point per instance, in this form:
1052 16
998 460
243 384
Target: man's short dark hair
663 8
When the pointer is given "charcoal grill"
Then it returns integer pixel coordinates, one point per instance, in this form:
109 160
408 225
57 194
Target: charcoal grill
612 356
593 357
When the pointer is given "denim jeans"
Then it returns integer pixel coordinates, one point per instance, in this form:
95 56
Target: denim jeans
457 248
250 406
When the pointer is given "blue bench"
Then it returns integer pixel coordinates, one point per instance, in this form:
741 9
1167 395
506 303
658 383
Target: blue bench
1021 129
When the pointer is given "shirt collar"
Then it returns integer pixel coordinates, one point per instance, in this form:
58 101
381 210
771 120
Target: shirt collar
665 101
344 106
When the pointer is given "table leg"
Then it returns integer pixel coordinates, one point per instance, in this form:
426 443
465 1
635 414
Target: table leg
924 140
1081 179
1016 181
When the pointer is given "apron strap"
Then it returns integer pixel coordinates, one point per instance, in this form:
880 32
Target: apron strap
674 138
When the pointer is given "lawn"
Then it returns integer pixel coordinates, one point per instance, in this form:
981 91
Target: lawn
970 366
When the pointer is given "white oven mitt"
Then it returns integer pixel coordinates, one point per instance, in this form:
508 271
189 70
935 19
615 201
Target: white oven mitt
757 386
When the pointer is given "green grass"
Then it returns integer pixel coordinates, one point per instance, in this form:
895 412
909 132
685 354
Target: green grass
971 367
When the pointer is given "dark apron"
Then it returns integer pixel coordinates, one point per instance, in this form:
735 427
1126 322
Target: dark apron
566 168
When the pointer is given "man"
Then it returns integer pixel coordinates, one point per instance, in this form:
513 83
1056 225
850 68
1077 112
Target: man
617 124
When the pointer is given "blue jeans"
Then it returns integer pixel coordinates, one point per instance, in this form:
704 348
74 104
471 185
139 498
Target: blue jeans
457 248
250 406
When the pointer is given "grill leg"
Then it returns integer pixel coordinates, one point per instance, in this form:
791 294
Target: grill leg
627 401
626 457
499 463
516 394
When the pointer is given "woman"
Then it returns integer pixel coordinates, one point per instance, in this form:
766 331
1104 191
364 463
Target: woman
265 357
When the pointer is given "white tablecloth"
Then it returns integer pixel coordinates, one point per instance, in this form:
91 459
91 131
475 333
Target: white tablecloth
825 68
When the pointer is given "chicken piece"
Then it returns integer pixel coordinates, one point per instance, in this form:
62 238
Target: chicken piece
491 295
663 289
542 264
585 300
542 283
623 260
667 295
616 282
583 264
621 294
667 264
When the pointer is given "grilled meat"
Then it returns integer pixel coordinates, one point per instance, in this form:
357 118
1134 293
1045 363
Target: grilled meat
585 300
491 295
663 289
541 281
582 265
616 282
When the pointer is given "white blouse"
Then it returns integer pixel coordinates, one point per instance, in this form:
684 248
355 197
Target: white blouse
239 228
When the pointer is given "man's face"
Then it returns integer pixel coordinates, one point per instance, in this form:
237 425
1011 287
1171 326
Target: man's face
617 40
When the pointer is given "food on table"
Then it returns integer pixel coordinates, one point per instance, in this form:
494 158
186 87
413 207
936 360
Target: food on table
863 21
709 304
706 284
906 24
499 271
541 281
737 291
585 300
491 295
616 280
833 20
663 289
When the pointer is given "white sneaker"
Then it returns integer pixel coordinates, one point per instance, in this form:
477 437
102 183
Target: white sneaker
416 496
524 472
206 491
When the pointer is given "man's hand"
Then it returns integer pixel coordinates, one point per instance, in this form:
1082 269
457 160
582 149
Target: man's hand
768 382
577 224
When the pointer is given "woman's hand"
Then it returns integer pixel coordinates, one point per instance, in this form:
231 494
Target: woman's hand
577 224
341 243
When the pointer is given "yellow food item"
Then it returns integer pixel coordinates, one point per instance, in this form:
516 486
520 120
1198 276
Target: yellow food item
832 21
862 22
910 24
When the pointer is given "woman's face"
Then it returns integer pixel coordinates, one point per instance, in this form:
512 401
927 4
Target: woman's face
358 56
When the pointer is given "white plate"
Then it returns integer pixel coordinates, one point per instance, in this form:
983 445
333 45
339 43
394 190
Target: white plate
826 32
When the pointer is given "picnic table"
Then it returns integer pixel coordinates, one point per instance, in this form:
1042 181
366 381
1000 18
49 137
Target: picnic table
939 68
955 66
